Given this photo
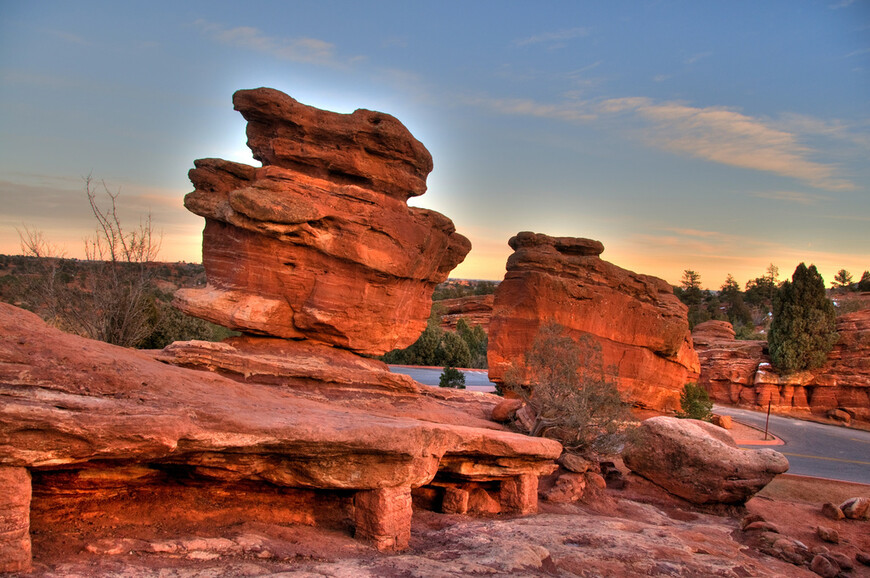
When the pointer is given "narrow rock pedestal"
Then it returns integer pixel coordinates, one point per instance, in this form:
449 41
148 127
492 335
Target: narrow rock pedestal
383 517
520 494
15 491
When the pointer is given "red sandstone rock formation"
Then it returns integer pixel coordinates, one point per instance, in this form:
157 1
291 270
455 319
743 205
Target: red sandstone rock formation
73 408
475 309
320 243
699 461
640 325
739 372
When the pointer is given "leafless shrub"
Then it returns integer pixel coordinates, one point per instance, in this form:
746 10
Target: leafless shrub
110 302
565 384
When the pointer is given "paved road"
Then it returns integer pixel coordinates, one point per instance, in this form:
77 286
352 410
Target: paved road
814 449
475 379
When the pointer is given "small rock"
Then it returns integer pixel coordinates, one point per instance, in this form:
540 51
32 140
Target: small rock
506 409
455 500
568 488
790 551
480 502
824 567
525 418
723 421
863 558
828 534
749 519
596 480
574 463
840 415
761 526
856 508
832 511
841 560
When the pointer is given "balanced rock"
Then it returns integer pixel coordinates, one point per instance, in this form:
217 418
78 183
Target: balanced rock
636 320
319 243
699 461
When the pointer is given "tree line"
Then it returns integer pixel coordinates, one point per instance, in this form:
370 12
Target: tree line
797 317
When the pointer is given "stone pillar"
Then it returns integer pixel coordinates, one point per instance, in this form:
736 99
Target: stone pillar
15 491
383 516
520 494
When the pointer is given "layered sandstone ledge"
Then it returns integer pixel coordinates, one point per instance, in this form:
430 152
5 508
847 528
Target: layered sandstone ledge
640 326
739 372
320 243
71 406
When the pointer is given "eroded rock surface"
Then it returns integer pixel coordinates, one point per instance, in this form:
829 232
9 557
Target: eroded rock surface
475 309
75 405
699 461
320 243
739 372
640 326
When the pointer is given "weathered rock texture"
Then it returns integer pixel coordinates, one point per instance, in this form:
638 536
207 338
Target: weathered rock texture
699 461
14 519
320 243
475 309
74 409
641 327
739 372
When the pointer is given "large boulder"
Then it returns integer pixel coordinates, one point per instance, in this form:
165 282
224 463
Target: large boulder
639 324
699 461
319 243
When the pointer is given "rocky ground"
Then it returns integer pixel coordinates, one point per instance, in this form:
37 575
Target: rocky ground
636 531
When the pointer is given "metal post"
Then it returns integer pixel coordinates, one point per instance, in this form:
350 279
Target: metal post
767 421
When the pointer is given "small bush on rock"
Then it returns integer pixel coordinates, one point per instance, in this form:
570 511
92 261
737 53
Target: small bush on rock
566 388
695 403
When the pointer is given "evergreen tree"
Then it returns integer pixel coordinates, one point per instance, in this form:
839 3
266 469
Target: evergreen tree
843 279
864 283
802 332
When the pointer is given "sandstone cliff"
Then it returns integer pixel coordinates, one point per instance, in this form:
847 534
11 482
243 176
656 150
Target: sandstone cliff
739 372
640 326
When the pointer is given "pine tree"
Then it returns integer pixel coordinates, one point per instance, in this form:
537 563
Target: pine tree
802 332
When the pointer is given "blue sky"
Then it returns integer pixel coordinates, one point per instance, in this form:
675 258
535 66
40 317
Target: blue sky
714 136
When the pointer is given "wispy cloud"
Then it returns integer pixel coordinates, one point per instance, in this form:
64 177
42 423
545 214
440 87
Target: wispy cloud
71 38
300 49
554 37
795 197
732 138
715 134
696 57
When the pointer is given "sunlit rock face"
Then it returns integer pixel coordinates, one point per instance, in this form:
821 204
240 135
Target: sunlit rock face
640 326
739 372
320 243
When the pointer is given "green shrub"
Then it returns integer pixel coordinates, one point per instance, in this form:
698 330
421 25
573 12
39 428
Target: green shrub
452 378
695 403
803 329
